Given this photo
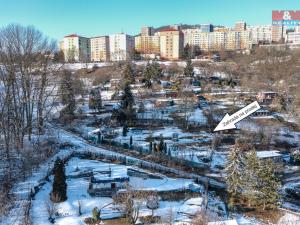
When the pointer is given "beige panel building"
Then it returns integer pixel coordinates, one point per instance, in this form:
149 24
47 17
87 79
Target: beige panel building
171 44
147 44
192 36
76 48
240 26
100 49
217 40
278 33
238 40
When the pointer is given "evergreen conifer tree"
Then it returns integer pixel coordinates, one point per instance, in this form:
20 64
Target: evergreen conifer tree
250 176
150 147
128 73
127 103
125 130
234 171
187 52
59 188
189 69
95 101
67 92
161 144
148 75
268 184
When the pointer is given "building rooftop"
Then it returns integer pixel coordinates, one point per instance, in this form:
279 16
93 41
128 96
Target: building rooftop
105 180
72 35
268 154
227 222
167 30
99 36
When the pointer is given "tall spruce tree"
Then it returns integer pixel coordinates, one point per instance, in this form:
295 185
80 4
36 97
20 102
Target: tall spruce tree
189 69
187 52
128 73
95 100
148 74
234 171
250 177
127 112
59 188
156 71
161 144
268 185
67 92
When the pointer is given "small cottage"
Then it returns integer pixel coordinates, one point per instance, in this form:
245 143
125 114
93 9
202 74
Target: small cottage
275 155
106 186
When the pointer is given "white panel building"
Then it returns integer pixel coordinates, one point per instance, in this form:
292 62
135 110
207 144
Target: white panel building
293 37
261 34
218 40
76 48
121 46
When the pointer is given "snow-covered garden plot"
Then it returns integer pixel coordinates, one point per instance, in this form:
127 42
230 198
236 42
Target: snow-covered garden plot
186 145
67 212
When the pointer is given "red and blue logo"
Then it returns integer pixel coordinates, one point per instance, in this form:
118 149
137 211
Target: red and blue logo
286 17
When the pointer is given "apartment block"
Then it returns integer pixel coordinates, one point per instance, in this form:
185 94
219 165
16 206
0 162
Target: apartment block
147 31
261 34
121 47
293 37
171 44
147 44
76 48
278 33
100 49
217 40
240 26
207 27
192 37
238 40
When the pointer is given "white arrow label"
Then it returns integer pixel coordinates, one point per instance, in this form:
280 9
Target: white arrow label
228 122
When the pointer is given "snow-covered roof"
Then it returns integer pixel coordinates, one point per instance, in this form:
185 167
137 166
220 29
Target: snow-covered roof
102 179
226 222
197 89
268 154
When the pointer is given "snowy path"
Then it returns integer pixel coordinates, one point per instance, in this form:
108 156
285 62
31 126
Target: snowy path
37 179
86 146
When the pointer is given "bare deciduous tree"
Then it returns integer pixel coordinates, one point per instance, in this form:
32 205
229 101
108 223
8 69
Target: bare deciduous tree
131 202
26 73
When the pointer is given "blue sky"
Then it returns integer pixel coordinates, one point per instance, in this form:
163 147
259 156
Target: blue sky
57 18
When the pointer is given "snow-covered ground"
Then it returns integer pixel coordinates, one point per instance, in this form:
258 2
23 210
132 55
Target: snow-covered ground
77 192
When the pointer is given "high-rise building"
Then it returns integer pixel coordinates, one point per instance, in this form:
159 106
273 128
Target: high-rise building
207 27
221 29
261 34
171 44
121 47
100 49
240 26
217 40
175 26
293 37
278 33
76 48
145 44
147 31
192 36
